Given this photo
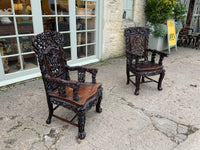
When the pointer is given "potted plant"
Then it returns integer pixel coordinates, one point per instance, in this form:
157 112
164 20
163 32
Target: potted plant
158 12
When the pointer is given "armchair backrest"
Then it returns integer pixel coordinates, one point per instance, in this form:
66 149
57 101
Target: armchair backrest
137 40
48 48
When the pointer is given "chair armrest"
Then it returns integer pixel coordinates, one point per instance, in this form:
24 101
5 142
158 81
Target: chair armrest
158 52
81 72
154 52
62 84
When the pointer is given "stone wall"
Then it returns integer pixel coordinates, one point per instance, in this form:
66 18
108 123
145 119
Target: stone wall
114 25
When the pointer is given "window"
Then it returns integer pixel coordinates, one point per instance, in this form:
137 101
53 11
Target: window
128 9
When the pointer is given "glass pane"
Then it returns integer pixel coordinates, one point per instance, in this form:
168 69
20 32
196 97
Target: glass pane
66 39
49 23
90 50
68 53
26 44
80 7
90 23
81 51
80 23
7 26
63 23
22 7
5 7
24 25
91 37
30 61
91 8
48 7
9 46
81 38
62 7
11 64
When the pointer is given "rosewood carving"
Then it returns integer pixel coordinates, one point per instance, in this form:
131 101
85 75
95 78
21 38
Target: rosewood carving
78 96
138 62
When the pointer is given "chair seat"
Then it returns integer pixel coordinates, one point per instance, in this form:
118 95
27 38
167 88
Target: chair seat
86 92
146 66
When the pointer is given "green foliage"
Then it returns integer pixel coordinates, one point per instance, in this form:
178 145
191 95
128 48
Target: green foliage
160 30
158 11
178 28
179 12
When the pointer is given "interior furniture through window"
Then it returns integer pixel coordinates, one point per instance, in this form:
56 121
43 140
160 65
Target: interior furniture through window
138 62
78 96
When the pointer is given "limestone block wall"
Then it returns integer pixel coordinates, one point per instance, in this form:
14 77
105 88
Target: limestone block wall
114 25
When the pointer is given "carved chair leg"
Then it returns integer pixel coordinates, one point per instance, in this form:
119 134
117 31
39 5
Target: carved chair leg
50 105
127 74
143 79
98 106
81 124
160 80
137 84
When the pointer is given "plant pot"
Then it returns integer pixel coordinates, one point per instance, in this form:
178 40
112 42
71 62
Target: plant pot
157 43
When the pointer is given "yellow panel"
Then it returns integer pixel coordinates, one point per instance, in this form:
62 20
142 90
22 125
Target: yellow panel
171 32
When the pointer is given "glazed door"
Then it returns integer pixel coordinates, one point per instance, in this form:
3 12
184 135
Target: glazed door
77 21
17 59
20 20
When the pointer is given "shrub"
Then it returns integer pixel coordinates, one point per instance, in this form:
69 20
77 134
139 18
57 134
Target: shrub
158 11
179 12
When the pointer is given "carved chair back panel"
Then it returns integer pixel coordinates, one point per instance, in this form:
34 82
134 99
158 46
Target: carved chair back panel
137 40
51 63
54 62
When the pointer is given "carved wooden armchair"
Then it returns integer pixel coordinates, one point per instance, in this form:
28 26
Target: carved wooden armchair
78 96
138 62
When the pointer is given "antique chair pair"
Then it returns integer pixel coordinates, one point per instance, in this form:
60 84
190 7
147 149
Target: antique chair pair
78 96
138 63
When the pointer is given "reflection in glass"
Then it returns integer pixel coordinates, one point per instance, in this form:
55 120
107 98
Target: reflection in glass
81 51
91 37
62 7
22 7
30 61
48 7
63 23
49 23
91 23
90 50
24 25
91 8
9 46
80 23
7 26
11 64
25 44
68 53
66 39
81 38
80 7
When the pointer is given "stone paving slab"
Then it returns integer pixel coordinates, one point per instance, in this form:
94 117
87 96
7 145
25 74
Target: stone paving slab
154 120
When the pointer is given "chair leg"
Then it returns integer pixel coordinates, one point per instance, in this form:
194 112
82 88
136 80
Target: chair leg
143 79
81 124
127 74
98 105
137 84
160 81
50 105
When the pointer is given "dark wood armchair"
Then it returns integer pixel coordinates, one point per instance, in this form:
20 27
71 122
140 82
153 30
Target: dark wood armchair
138 62
78 96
